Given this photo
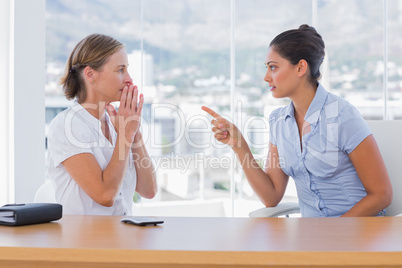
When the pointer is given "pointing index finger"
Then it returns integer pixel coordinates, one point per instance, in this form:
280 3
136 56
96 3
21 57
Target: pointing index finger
211 112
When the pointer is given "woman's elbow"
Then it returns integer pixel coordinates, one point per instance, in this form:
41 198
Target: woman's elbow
388 196
106 200
106 203
151 193
384 197
271 203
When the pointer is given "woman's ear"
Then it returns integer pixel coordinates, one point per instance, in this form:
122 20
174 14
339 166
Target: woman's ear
89 74
302 68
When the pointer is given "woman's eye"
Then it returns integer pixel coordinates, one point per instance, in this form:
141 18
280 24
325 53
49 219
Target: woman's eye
272 67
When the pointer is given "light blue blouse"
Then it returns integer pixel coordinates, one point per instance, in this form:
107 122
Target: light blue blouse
326 180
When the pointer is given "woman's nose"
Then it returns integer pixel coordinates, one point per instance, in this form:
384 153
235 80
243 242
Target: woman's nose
128 80
267 77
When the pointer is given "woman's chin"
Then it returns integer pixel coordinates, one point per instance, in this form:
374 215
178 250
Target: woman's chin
277 95
118 97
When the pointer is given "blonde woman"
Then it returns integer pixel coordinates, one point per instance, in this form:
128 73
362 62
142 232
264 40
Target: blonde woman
97 158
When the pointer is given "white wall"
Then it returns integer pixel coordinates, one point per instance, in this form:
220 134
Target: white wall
27 145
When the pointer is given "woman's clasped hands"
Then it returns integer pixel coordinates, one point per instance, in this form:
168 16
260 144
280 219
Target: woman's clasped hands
127 119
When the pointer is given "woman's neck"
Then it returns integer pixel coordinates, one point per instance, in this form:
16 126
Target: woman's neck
303 98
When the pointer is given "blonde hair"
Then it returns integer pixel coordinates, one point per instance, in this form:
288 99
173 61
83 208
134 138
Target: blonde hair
92 51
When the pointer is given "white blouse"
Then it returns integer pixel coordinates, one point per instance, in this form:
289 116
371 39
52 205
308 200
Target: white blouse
75 131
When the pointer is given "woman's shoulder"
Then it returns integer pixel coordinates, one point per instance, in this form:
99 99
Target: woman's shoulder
70 117
58 119
343 103
344 107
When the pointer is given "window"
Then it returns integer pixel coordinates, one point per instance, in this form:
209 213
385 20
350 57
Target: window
180 56
354 44
394 46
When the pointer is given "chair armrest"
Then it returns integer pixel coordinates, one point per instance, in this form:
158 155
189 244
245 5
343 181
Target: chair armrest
282 209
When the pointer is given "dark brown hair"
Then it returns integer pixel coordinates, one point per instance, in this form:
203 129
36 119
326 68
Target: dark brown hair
304 43
93 51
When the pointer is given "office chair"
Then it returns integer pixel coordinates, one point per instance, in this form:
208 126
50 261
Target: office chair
45 193
387 134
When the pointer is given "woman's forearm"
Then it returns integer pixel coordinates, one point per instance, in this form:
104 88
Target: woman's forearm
259 180
146 174
370 205
113 174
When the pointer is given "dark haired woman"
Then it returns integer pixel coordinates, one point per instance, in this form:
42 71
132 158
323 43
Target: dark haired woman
319 139
97 158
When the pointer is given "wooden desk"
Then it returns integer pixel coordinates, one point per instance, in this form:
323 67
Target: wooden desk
103 241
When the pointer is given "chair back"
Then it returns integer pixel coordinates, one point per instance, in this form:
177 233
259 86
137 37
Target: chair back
388 136
45 193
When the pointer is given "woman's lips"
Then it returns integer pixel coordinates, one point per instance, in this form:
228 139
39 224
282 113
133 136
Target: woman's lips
273 88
